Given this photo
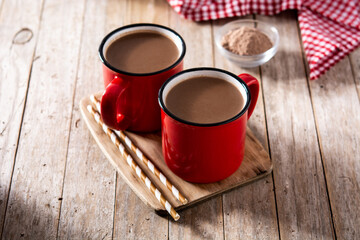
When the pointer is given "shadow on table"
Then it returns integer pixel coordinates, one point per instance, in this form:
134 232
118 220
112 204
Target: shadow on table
246 212
28 220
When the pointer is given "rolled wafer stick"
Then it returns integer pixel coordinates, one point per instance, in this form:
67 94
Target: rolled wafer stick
110 133
145 160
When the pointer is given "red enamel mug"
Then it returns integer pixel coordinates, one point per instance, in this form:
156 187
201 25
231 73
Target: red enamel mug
205 153
130 99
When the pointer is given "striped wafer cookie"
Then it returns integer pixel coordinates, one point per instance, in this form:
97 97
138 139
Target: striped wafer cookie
145 160
110 133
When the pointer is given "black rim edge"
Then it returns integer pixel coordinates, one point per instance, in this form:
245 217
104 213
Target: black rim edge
107 64
245 108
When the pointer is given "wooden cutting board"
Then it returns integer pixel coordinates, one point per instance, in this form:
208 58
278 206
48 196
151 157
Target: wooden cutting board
256 164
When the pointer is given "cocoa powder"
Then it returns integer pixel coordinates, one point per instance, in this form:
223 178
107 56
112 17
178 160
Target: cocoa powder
246 41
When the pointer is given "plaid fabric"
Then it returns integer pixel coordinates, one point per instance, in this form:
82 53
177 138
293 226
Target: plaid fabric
330 29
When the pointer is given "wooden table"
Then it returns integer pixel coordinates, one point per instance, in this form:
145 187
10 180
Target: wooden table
56 183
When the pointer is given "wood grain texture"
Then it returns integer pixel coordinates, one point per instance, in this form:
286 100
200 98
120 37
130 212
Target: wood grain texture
132 218
198 39
302 201
355 65
19 24
337 108
152 11
250 211
1 4
33 207
116 13
89 181
204 221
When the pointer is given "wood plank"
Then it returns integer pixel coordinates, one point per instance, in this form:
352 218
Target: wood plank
33 207
19 25
89 184
249 211
355 65
151 11
132 218
302 202
204 221
115 15
1 5
337 108
198 39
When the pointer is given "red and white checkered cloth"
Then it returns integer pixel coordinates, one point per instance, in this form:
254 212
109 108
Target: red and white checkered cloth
330 29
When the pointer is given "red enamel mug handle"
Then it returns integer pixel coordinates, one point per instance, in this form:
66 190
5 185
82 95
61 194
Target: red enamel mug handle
254 87
114 108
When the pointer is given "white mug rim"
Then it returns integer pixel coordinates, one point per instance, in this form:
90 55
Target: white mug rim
181 46
241 82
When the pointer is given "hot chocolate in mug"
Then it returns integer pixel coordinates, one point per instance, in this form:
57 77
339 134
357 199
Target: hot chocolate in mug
204 112
137 59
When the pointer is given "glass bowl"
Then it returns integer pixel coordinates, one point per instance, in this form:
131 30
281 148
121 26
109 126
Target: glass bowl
248 61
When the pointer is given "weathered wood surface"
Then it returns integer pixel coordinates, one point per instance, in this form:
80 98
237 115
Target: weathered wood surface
336 103
34 201
19 24
312 128
303 207
88 206
355 65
